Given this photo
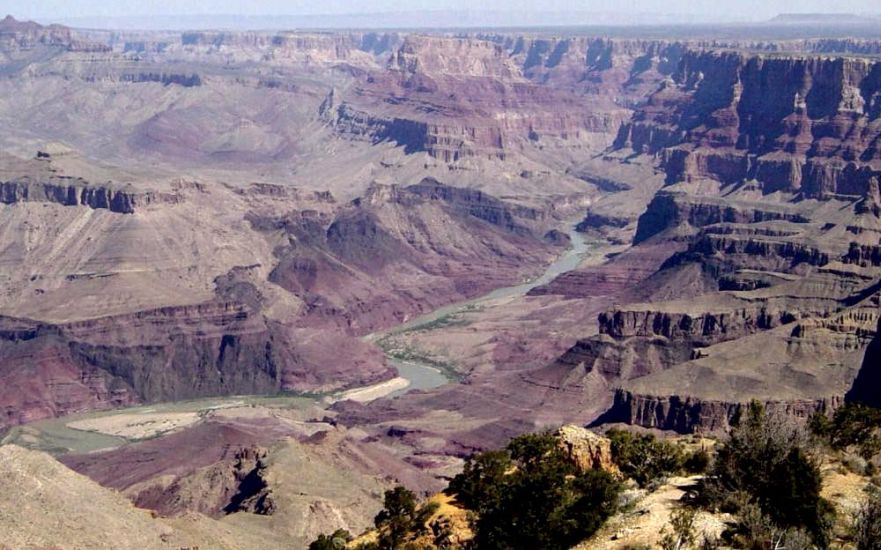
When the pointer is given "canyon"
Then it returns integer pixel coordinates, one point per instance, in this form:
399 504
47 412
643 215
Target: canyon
478 233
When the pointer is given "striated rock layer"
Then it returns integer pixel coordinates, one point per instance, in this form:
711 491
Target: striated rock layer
794 124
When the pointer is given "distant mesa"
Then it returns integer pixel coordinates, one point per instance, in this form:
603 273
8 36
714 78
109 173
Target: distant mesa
825 19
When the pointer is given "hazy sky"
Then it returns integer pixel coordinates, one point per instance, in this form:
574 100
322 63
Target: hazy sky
758 9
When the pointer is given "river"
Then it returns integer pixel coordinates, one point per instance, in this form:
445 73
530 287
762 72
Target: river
57 437
423 376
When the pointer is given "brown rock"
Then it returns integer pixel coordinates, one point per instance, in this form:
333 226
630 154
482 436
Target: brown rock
587 450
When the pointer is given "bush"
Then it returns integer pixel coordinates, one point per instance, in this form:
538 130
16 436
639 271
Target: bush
867 524
401 520
820 426
680 533
530 496
481 479
756 531
764 461
644 458
855 464
335 541
697 462
855 425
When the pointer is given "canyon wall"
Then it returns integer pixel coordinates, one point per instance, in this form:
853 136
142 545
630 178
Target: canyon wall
794 124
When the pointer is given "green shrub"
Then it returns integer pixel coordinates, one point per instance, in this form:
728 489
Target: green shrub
697 462
867 524
644 458
335 541
764 462
401 519
481 479
680 533
530 496
855 425
756 531
820 426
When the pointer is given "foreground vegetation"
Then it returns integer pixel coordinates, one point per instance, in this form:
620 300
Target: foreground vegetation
765 478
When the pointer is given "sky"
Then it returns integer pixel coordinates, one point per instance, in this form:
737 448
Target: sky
759 8
751 9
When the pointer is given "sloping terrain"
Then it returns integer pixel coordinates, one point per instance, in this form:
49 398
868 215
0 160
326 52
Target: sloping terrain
58 508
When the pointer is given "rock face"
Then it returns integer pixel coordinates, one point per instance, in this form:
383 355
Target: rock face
175 353
480 89
42 378
587 450
687 414
814 136
769 215
164 355
428 243
668 210
403 234
865 385
233 484
27 35
77 192
216 468
253 494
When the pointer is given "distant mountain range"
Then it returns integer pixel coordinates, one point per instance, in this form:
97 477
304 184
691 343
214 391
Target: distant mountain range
826 18
386 20
452 19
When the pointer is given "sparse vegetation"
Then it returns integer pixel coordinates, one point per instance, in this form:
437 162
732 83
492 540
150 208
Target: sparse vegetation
531 495
867 524
754 530
335 541
644 458
856 426
681 532
765 474
401 520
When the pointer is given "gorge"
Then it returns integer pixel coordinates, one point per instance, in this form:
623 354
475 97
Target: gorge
252 279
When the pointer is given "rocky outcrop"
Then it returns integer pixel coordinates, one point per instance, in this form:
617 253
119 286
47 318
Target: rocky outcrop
668 210
864 255
453 57
168 354
700 329
298 46
868 380
599 221
635 343
43 379
77 192
392 232
729 252
185 352
166 79
253 494
586 450
690 415
463 97
470 135
26 35
236 483
716 121
475 203
159 355
217 467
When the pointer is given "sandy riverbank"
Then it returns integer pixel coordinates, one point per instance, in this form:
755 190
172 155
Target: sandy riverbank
364 395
